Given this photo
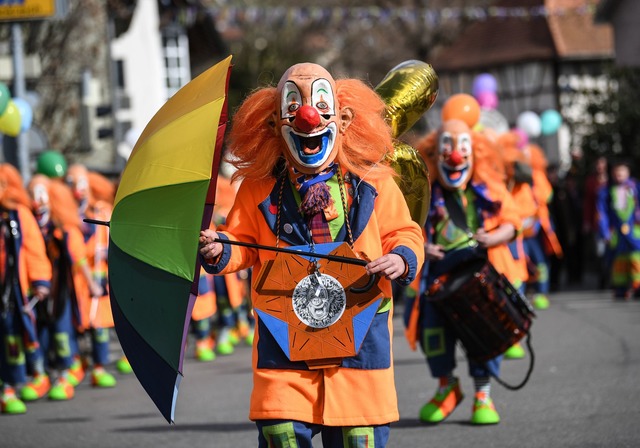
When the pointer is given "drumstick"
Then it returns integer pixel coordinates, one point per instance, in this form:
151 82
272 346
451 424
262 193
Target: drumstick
29 306
93 310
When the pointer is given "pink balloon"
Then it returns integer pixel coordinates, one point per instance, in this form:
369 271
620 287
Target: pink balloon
523 138
487 99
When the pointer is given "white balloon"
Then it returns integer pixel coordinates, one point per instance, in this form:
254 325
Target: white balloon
530 123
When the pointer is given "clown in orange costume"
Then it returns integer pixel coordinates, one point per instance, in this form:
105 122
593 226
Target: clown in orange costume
26 275
309 152
471 214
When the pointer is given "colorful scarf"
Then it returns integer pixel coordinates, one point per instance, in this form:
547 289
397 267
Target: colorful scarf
317 205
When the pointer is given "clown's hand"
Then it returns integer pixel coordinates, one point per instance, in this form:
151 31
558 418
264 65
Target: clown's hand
433 251
207 247
391 266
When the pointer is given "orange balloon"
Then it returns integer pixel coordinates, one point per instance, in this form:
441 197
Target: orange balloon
461 106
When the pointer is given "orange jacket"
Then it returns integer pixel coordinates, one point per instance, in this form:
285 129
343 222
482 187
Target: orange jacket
381 223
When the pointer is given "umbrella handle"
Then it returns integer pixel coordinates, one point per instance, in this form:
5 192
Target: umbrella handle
96 221
373 279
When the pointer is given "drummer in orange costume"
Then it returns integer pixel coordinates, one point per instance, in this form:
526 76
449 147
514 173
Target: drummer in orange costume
315 144
471 213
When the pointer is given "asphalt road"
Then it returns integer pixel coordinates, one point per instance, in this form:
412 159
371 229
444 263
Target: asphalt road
584 392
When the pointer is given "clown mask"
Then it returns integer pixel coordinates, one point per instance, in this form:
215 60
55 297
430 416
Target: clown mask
455 161
308 117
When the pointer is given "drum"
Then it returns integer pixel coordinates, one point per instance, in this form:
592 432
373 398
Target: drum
485 310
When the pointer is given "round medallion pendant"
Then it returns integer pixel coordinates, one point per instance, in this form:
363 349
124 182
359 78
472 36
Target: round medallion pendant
319 300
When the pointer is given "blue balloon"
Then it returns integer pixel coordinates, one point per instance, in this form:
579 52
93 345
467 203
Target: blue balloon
26 113
550 121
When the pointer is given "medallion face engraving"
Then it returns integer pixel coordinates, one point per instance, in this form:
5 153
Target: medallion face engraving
319 300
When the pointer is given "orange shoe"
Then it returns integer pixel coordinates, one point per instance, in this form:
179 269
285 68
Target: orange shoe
446 399
36 388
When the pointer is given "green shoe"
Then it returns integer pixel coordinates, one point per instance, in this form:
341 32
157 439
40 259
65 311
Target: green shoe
76 372
540 302
10 404
204 350
233 337
224 348
484 412
102 378
442 404
62 390
515 352
123 366
249 339
36 389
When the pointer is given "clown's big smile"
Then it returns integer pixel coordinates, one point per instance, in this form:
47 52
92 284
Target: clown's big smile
310 150
454 176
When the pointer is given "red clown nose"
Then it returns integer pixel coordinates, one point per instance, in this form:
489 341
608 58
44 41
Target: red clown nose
307 119
455 158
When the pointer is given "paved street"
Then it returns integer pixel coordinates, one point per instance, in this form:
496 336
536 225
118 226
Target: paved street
584 392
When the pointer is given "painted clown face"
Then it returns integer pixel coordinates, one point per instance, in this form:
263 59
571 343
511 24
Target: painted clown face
39 193
78 179
308 117
455 161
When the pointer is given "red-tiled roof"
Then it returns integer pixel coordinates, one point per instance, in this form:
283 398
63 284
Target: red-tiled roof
575 34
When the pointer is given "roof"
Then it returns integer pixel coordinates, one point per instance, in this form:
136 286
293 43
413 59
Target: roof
575 34
567 32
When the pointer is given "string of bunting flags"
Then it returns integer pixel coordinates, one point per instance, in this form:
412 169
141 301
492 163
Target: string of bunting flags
303 15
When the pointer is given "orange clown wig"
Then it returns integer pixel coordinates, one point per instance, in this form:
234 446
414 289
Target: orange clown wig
12 188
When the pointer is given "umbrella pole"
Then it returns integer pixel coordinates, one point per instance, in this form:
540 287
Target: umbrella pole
329 257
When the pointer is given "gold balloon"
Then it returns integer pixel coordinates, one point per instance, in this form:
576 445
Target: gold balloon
413 180
408 90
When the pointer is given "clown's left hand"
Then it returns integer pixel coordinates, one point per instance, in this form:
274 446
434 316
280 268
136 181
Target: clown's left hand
391 266
503 234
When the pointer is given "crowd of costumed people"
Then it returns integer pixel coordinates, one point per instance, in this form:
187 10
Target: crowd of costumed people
56 314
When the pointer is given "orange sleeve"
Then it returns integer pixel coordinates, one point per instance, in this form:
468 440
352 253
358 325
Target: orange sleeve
38 266
76 245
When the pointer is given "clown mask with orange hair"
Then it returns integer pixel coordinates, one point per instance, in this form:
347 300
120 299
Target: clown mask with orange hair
310 120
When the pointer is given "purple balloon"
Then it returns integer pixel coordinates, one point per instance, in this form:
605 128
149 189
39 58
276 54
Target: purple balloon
484 82
487 100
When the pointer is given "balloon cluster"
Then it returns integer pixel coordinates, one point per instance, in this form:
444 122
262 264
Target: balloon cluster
528 123
16 114
534 125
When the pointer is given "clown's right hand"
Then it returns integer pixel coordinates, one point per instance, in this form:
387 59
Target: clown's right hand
207 247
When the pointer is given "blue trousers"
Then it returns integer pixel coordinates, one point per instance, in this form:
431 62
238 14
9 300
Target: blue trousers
13 368
295 434
533 249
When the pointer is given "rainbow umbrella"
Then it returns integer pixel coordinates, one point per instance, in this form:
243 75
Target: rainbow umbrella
164 199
